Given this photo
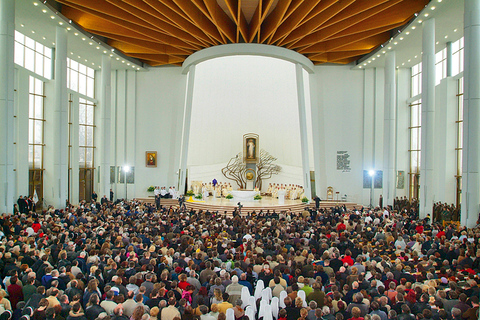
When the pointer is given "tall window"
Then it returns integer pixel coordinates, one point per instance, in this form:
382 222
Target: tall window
86 133
36 137
416 88
440 65
80 78
457 57
33 55
415 147
459 146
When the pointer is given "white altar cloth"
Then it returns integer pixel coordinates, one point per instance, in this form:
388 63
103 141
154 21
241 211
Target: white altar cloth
244 195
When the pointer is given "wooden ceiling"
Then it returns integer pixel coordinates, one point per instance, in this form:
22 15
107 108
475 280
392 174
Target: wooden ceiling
162 32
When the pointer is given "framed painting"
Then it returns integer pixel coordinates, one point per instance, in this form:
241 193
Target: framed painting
250 147
151 159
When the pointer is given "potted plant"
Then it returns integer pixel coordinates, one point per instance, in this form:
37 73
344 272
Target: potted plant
257 197
199 196
151 189
229 196
189 194
305 200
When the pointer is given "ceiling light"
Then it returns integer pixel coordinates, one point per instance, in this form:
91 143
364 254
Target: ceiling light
76 33
86 60
70 21
60 23
98 48
401 38
104 51
446 37
439 0
53 43
407 33
415 14
68 28
395 43
22 25
35 4
90 43
100 67
437 42
138 68
52 17
71 52
44 10
398 67
133 66
93 64
403 64
455 30
384 51
364 64
426 14
413 27
78 57
378 56
409 60
33 31
389 48
113 50
416 57
432 8
84 39
369 61
128 64
420 21
123 61
373 58
44 38
111 55
118 58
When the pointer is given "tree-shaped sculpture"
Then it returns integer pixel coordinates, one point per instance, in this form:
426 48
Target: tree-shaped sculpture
235 170
266 168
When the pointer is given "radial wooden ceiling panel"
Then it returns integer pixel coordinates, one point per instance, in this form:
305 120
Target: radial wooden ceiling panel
166 32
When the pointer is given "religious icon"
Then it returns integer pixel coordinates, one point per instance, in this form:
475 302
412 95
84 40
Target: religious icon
251 146
151 159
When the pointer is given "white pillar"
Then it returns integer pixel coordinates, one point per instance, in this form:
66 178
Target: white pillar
105 118
427 196
471 115
22 106
187 117
318 136
389 131
7 177
303 129
74 151
449 59
60 121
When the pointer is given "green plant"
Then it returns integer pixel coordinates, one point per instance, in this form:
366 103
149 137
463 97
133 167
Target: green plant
151 189
199 196
229 196
304 199
189 193
257 197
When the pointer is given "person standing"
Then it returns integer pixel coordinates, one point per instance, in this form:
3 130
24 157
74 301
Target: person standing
94 196
111 195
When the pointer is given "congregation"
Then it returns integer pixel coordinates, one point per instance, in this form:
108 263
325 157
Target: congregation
131 261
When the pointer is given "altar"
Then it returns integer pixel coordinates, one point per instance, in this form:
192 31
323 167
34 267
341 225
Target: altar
244 195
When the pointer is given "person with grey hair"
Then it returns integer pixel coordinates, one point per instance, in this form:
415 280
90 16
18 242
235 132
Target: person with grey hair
238 310
312 306
358 302
456 314
327 313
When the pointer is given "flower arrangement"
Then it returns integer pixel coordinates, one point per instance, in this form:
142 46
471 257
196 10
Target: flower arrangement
199 196
305 200
257 197
189 193
151 189
229 196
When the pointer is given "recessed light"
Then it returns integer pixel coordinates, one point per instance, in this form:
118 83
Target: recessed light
432 8
409 60
52 17
98 48
420 21
401 38
364 64
76 33
78 57
416 57
369 61
104 51
413 27
373 58
71 52
455 30
35 4
378 56
60 23
389 48
93 64
407 33
84 39
100 67
33 31
446 37
138 68
86 60
398 67
44 38
384 51
22 25
437 42
395 43
118 58
111 55
90 43
68 28
439 0
426 14
113 50
128 64
44 10
403 64
133 66
53 43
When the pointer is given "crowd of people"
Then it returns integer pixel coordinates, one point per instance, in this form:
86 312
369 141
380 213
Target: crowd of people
131 261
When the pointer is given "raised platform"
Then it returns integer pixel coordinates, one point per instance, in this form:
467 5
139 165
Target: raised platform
266 203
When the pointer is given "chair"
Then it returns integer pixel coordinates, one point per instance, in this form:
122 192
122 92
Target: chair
258 289
281 301
245 296
250 313
302 295
330 193
274 306
230 314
